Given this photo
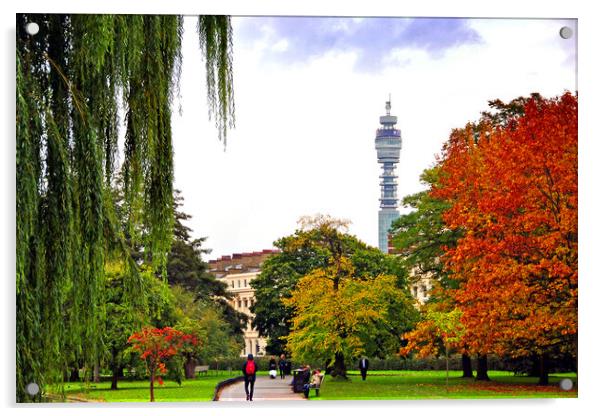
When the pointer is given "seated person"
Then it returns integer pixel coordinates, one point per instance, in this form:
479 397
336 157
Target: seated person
306 373
315 381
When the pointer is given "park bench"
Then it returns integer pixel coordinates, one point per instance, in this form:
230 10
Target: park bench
201 369
317 386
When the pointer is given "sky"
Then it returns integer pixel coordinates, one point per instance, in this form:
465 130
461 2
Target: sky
309 92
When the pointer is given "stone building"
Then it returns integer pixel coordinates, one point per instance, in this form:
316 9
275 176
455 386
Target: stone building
420 286
420 283
237 271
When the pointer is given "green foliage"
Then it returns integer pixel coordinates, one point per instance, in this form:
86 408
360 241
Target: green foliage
185 266
360 317
206 322
421 236
448 325
71 79
215 36
299 255
153 307
338 312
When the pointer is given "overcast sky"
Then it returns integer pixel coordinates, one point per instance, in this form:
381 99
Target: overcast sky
308 94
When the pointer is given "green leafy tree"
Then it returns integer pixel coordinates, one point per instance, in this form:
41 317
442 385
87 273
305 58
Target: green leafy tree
338 312
72 77
204 320
421 238
449 329
185 266
298 256
124 315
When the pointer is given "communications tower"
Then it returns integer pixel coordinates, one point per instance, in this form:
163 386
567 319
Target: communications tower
388 147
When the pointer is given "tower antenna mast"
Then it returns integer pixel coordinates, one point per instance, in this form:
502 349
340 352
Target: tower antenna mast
388 105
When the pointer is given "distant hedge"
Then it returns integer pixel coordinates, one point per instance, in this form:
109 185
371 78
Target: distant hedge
518 366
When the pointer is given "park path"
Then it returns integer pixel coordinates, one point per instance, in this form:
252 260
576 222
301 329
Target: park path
265 389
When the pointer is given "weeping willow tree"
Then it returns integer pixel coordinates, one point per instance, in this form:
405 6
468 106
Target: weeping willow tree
72 79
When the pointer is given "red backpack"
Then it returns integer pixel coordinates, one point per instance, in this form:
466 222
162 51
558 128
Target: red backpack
250 368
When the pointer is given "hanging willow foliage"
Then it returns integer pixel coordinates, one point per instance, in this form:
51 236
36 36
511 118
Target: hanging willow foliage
73 77
216 43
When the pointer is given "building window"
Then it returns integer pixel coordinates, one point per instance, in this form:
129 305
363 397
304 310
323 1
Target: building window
239 303
232 284
423 287
239 283
415 289
246 304
245 282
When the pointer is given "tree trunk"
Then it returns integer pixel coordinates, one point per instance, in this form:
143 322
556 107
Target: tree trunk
339 370
482 367
534 370
114 378
96 372
114 369
446 368
543 370
576 355
152 386
74 374
327 368
466 366
189 366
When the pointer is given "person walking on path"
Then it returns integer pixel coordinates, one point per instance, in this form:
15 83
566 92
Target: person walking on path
272 368
282 366
249 370
364 363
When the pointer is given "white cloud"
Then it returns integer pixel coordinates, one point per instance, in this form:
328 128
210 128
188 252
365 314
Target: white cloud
280 46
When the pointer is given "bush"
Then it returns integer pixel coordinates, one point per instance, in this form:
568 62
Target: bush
494 363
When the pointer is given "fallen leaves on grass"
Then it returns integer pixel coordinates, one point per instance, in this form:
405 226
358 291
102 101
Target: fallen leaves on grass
506 388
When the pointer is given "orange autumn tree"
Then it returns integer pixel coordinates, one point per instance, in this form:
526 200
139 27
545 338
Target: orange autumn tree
156 346
513 189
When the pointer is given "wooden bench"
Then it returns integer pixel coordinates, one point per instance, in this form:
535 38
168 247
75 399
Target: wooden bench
201 369
317 386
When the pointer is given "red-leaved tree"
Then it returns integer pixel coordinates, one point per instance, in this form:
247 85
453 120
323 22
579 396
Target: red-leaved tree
156 346
513 189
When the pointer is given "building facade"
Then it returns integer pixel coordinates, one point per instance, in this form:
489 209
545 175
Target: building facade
420 286
420 283
237 271
388 148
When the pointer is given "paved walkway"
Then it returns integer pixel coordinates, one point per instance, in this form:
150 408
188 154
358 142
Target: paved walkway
265 389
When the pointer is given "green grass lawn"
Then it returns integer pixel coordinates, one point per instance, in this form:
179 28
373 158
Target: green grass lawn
197 390
404 385
380 385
